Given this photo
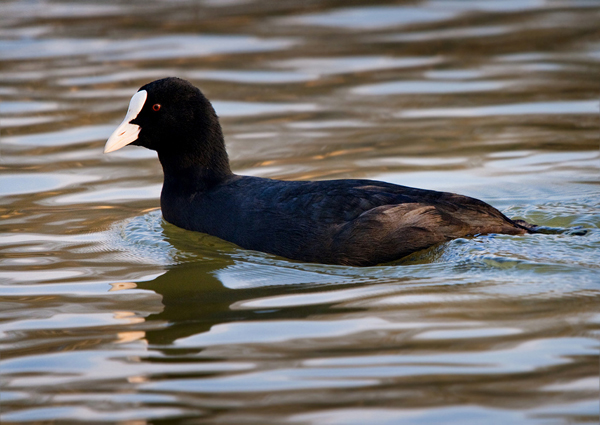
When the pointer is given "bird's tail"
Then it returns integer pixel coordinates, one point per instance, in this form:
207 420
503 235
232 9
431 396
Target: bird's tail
531 228
534 228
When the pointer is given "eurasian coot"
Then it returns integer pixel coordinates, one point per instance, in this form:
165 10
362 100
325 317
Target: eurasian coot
349 222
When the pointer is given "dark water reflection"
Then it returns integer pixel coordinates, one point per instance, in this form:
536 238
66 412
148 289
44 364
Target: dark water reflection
111 315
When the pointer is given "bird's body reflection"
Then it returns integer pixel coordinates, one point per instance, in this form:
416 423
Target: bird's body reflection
200 294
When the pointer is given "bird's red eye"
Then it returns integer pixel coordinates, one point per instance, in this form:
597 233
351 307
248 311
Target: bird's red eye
156 107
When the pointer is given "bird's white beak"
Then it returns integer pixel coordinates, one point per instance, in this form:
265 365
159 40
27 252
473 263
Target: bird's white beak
127 132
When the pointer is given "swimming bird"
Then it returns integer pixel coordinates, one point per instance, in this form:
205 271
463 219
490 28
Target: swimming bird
347 222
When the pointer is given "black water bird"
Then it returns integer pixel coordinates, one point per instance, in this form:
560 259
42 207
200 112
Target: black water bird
349 222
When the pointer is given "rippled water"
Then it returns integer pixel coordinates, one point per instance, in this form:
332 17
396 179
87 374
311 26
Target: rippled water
110 314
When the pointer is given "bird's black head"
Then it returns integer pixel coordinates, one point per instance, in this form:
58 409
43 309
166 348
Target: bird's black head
173 117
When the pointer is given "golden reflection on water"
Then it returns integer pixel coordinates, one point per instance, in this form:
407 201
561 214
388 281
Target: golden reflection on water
125 337
119 286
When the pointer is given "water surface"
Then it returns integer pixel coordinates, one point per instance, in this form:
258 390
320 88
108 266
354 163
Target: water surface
110 314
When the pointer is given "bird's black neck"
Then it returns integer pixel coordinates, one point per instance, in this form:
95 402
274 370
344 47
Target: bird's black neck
195 171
